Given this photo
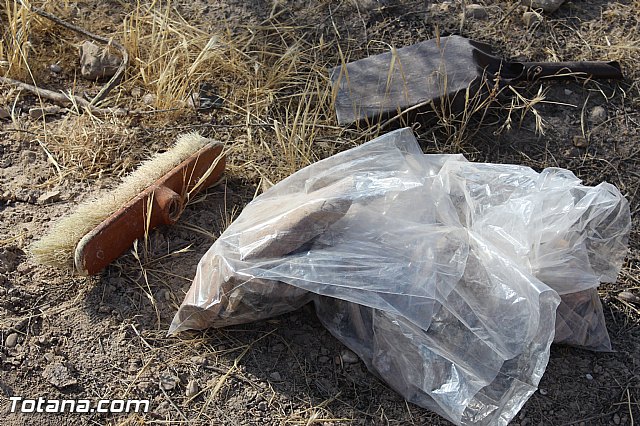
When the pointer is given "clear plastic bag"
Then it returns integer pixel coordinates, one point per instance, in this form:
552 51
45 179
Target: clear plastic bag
442 275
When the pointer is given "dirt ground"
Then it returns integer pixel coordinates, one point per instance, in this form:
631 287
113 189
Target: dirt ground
104 337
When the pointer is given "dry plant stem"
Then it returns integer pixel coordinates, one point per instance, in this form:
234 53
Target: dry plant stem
72 100
61 98
115 79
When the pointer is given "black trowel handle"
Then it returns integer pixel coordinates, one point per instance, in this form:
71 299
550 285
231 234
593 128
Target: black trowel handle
560 70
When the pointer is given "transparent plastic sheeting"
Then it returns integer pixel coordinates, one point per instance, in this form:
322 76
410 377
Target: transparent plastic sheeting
448 278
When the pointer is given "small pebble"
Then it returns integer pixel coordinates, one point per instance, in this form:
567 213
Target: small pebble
12 340
568 92
55 68
37 113
168 380
627 296
199 360
323 359
59 375
475 11
149 99
348 357
589 376
580 141
548 6
19 325
276 376
598 115
192 389
531 18
278 347
49 197
543 392
616 419
97 61
4 113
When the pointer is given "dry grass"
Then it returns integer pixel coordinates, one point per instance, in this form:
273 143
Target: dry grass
273 80
170 57
15 48
273 83
90 147
27 38
612 34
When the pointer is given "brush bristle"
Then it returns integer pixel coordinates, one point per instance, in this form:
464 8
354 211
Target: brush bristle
58 246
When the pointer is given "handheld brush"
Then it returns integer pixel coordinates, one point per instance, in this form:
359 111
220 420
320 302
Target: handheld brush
99 231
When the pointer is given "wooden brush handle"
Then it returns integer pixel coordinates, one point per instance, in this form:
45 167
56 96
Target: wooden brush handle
561 70
167 205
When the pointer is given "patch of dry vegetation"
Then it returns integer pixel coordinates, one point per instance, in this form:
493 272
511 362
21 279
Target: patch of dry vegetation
274 86
29 42
277 103
98 146
614 37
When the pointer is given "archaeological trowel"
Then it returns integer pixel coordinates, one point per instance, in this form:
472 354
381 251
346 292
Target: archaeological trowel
442 71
